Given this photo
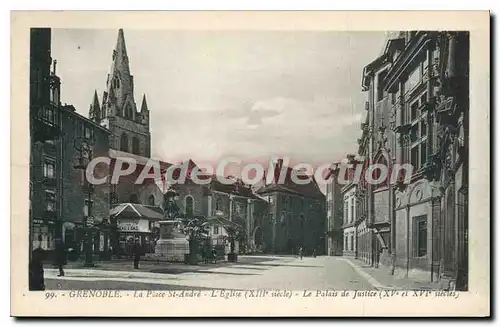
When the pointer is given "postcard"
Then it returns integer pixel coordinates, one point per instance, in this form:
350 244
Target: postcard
238 164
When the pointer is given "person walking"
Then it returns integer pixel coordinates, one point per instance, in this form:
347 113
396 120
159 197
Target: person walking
301 252
36 273
60 256
137 253
214 255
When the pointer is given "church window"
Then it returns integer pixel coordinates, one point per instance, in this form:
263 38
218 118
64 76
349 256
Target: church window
124 143
135 145
128 111
116 82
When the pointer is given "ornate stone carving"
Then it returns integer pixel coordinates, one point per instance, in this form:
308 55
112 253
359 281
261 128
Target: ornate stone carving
404 140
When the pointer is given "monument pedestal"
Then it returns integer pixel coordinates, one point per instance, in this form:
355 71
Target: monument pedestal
172 245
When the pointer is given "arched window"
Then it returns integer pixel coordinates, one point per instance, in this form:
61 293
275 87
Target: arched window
189 205
124 143
135 145
116 82
151 200
128 111
134 199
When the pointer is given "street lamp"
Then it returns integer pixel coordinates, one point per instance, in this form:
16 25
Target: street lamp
84 147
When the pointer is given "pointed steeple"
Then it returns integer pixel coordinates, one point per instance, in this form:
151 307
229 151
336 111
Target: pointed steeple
120 57
120 84
144 105
120 44
95 109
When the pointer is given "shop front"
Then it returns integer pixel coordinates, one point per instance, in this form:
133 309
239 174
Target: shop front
43 234
131 229
136 222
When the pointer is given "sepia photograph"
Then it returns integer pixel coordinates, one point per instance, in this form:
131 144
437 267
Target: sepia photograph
232 163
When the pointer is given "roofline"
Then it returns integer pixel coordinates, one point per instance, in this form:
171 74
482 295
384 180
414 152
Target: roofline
104 129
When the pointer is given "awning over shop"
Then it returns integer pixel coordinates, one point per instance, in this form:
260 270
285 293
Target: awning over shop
134 210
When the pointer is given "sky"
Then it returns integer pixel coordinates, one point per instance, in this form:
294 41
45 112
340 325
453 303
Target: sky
214 94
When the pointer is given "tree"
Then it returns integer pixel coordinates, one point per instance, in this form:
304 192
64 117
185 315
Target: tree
236 232
196 228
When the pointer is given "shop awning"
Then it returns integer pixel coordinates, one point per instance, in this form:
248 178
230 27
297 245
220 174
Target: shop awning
134 210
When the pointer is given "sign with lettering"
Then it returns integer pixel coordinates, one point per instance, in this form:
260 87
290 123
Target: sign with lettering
134 225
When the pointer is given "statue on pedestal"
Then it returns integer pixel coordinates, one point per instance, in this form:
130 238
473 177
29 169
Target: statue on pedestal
172 244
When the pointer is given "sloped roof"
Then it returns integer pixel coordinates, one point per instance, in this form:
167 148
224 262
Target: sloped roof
136 210
310 189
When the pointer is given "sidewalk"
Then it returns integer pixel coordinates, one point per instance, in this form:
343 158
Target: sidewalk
382 280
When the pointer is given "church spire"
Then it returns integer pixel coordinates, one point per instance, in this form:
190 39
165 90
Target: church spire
120 57
120 84
144 105
95 109
120 44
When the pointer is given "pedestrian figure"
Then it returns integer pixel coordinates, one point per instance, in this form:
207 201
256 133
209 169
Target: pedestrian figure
214 255
314 253
36 273
205 254
60 256
137 253
301 252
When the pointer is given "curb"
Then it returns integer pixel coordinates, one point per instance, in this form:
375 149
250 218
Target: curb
375 283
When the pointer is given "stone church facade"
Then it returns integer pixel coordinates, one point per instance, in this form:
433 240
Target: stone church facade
118 110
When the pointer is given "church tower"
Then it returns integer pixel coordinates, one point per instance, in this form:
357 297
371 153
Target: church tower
118 111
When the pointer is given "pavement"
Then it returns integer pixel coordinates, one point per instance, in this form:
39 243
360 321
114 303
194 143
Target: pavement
382 280
250 272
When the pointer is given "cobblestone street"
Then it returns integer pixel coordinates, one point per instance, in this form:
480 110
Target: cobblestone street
251 272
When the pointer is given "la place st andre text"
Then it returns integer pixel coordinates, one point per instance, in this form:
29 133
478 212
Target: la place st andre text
226 294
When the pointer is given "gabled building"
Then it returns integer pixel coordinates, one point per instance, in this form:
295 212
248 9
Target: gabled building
297 215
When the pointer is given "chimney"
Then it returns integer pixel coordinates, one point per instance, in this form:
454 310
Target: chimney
54 67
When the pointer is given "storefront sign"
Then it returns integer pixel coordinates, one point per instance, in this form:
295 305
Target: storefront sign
134 225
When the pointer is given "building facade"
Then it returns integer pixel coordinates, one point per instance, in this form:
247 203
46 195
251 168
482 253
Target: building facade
59 196
349 227
45 129
297 215
335 217
418 108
